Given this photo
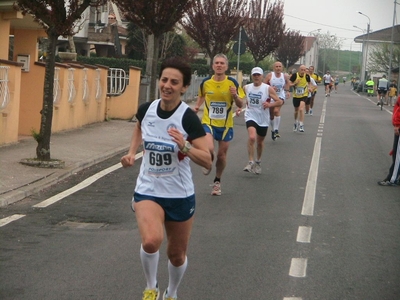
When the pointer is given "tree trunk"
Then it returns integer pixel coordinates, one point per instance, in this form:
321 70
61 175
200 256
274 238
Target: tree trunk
43 147
149 63
154 77
153 46
71 43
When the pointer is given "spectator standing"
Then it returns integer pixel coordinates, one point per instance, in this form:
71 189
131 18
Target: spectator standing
392 179
392 92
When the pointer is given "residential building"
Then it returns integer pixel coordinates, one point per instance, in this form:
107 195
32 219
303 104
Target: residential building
371 42
311 51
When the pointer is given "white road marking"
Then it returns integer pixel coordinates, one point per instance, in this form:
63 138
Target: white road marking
309 195
81 185
10 219
298 267
304 234
292 298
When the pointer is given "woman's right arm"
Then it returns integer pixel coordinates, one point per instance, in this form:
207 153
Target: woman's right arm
128 159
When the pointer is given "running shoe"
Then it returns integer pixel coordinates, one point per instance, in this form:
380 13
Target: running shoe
257 168
151 294
295 127
249 168
273 136
216 191
301 128
277 133
310 112
306 113
387 183
165 297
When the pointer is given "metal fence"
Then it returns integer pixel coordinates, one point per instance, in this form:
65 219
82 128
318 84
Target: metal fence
192 92
116 81
4 90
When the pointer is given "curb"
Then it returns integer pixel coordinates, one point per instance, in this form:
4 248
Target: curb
22 192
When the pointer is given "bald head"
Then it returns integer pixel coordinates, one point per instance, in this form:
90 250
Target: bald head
278 67
302 70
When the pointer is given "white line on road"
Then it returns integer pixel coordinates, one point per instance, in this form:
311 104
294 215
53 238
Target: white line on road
309 195
10 219
81 185
304 234
298 267
292 298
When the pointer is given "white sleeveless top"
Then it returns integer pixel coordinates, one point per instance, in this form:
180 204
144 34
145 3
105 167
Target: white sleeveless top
279 83
256 96
162 173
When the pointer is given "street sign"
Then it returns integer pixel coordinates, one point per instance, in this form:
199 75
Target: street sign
243 36
235 48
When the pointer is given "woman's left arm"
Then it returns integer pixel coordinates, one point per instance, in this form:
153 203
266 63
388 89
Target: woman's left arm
198 151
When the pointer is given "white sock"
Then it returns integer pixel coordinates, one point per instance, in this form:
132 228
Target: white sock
277 122
175 277
150 266
271 123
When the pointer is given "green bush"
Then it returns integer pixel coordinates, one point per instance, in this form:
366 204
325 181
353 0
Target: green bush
121 63
200 65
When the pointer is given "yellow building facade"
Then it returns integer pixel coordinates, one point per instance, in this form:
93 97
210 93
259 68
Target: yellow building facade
80 91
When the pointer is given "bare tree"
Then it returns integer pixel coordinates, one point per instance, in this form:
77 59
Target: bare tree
265 28
329 44
213 24
379 59
156 17
291 48
57 18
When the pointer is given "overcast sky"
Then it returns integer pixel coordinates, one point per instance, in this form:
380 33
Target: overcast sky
339 16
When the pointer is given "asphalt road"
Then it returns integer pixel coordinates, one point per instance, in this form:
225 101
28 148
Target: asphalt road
314 225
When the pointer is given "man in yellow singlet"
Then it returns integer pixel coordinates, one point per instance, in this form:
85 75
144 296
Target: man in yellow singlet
301 83
218 93
317 79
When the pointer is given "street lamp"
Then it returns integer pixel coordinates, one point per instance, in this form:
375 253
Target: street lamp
391 43
362 62
366 48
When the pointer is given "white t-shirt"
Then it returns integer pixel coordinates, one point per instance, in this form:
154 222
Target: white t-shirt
256 96
279 83
161 166
327 78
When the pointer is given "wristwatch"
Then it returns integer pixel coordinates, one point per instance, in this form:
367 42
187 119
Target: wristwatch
187 147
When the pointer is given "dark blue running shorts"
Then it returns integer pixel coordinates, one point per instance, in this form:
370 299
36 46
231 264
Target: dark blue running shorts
175 209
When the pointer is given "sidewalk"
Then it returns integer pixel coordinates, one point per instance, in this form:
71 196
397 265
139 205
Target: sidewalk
79 149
